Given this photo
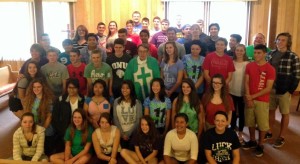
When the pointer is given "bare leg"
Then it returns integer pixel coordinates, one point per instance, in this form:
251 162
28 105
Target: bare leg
19 113
261 137
153 161
58 158
271 119
83 159
284 124
252 133
129 156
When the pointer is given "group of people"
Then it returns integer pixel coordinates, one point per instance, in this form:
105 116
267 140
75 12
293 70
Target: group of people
146 97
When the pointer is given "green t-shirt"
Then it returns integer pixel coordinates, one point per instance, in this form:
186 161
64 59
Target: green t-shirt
104 72
192 115
250 52
77 147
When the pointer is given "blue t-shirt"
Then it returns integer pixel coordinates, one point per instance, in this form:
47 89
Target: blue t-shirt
64 59
158 110
182 40
171 72
137 28
193 69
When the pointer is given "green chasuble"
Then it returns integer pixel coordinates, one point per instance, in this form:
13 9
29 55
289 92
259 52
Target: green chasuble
141 73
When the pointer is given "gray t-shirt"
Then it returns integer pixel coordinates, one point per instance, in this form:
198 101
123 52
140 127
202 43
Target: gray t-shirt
170 72
55 74
23 83
126 118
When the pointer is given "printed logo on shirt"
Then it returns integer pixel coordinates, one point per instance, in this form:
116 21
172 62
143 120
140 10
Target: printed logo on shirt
219 63
53 75
128 115
262 80
63 60
221 151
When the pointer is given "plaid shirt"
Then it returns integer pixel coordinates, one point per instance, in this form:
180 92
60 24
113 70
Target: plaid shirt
287 73
289 64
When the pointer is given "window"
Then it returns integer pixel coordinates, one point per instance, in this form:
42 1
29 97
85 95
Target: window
232 16
190 12
17 35
56 18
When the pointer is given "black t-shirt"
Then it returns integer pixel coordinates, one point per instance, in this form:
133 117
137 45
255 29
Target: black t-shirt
211 47
118 66
221 145
146 147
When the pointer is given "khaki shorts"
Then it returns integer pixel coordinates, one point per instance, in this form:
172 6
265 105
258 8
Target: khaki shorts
259 115
283 101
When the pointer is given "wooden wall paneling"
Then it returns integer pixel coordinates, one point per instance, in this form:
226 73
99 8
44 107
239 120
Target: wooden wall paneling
126 8
91 12
259 19
80 13
272 29
71 25
296 27
38 18
288 21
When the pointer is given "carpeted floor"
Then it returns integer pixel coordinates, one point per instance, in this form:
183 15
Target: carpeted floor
289 153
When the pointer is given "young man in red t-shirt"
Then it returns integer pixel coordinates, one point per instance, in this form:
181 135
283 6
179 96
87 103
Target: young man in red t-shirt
218 63
76 70
259 79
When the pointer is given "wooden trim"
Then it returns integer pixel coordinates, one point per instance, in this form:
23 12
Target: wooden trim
71 25
38 14
272 28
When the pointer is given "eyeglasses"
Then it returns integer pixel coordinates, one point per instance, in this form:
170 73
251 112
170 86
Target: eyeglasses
217 83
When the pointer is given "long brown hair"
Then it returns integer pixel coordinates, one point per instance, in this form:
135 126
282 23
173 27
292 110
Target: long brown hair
29 114
151 135
193 97
77 37
84 127
45 103
224 92
167 56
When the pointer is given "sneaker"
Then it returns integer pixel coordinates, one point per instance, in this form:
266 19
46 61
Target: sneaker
279 142
259 151
249 145
268 136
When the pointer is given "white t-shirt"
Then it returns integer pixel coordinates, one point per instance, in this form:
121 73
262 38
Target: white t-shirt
74 106
181 149
237 83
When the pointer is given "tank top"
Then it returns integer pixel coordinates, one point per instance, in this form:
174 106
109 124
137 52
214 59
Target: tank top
107 147
95 109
